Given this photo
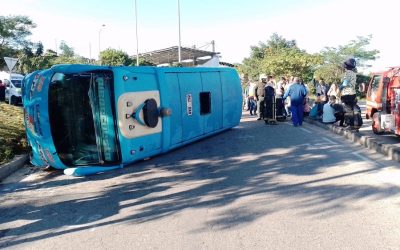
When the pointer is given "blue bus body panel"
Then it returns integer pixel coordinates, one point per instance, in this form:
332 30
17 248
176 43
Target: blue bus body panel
211 82
192 122
200 101
139 80
36 119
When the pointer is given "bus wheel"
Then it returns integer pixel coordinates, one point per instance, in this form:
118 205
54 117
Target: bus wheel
376 124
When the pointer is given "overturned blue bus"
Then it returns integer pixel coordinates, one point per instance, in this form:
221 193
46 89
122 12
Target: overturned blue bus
87 119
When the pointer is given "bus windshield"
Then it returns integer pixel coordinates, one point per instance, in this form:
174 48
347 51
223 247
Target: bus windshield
81 118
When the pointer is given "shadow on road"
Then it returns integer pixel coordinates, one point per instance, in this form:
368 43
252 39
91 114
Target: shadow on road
252 163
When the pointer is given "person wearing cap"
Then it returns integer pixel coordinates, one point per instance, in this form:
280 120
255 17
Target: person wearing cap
348 90
260 95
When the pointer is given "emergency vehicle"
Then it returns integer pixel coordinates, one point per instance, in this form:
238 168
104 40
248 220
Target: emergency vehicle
383 101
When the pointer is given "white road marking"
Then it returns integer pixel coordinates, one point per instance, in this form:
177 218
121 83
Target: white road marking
306 130
330 141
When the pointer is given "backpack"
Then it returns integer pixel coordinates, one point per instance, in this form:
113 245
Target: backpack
314 112
269 91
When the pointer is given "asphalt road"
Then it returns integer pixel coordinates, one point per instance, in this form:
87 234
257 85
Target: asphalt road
252 187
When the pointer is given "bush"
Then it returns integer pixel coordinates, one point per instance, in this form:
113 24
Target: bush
12 132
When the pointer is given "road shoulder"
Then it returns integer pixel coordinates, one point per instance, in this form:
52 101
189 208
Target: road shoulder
374 144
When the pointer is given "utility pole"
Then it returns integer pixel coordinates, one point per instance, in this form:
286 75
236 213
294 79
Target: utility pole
90 51
100 39
137 38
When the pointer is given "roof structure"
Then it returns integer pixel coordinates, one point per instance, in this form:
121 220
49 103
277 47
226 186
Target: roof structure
170 55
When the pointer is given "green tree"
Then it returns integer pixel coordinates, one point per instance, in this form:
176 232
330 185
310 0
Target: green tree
279 57
27 51
331 69
50 53
13 35
115 57
29 61
39 49
70 60
14 30
142 62
66 51
24 59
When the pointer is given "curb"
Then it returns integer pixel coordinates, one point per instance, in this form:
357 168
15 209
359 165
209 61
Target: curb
368 142
12 166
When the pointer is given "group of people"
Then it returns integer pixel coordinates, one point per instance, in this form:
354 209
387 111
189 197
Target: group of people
334 104
292 93
339 104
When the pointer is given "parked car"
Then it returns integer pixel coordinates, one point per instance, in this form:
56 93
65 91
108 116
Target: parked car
13 83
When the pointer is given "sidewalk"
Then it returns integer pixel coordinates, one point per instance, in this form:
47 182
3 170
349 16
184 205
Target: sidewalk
387 144
8 168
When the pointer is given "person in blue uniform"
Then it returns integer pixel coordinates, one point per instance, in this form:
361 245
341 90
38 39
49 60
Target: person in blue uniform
297 93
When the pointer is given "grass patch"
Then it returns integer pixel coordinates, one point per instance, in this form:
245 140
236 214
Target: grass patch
12 132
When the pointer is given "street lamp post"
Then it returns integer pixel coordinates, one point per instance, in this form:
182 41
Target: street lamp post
179 24
100 39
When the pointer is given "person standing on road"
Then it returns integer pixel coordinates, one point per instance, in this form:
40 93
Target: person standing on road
251 98
297 92
2 92
260 95
348 91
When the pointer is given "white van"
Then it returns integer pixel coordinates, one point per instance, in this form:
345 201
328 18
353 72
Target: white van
13 83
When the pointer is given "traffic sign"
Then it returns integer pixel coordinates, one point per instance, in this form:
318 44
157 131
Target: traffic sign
10 62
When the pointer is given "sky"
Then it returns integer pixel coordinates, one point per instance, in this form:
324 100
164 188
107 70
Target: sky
234 25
